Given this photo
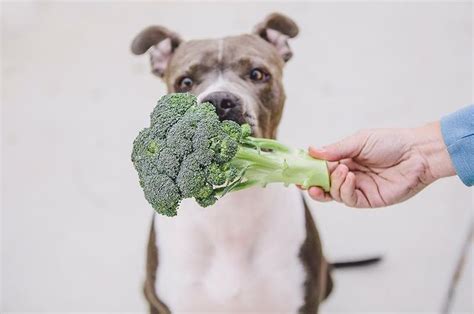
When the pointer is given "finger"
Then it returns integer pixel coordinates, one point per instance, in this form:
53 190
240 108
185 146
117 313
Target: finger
319 153
346 148
332 165
350 195
337 178
319 195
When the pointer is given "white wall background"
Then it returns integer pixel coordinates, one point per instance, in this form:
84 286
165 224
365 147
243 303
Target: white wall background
75 221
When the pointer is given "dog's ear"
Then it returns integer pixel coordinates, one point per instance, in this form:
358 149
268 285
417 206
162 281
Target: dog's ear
277 29
160 42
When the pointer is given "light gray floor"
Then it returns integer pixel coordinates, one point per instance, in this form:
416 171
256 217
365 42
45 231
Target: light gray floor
74 218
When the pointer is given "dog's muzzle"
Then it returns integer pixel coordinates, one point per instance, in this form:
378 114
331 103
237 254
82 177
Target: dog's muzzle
228 106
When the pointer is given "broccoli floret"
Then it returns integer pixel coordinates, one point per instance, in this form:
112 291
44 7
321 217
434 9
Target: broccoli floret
224 147
246 130
188 153
145 150
191 178
167 162
220 174
145 145
206 131
180 136
169 110
205 202
215 175
192 182
233 129
162 193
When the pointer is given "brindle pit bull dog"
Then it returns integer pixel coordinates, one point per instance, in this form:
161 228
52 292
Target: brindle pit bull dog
256 250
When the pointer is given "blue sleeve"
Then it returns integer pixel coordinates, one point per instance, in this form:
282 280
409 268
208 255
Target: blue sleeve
458 133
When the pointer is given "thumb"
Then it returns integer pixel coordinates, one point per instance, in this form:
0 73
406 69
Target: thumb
346 148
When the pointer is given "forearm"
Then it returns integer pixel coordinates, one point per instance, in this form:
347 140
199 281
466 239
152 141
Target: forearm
447 146
428 141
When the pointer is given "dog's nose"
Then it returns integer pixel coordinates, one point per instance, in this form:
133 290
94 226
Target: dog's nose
228 106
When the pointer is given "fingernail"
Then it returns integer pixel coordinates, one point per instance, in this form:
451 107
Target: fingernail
317 149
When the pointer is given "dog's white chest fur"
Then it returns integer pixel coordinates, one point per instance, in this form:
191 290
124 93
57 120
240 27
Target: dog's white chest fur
239 255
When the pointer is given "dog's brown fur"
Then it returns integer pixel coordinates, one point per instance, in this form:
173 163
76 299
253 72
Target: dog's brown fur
152 258
318 284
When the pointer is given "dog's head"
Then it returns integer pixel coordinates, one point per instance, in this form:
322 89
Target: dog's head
240 75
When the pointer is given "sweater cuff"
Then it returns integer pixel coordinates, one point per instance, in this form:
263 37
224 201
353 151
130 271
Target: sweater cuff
458 134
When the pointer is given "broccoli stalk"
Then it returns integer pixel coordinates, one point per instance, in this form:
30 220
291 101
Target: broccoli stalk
262 161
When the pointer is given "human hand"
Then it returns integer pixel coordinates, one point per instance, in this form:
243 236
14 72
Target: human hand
381 167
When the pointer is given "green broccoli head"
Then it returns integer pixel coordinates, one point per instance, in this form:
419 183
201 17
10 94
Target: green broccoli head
175 156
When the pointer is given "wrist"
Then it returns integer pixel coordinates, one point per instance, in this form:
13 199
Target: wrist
429 142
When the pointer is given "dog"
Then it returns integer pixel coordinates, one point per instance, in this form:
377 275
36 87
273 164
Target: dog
256 250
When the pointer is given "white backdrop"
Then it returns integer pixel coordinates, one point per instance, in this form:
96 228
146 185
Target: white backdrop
75 221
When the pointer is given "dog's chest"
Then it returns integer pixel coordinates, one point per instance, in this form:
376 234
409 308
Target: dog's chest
239 255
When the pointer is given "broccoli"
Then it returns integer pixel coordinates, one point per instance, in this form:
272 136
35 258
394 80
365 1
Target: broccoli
188 153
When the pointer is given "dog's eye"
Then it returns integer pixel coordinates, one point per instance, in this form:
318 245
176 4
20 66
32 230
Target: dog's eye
185 84
258 75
